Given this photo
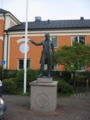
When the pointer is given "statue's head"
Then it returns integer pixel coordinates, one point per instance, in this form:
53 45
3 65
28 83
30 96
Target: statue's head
47 36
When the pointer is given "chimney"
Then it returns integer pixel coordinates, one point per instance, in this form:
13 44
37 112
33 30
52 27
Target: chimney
48 21
37 19
81 18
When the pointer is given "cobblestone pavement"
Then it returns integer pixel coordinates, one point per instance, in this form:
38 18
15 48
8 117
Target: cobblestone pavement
69 108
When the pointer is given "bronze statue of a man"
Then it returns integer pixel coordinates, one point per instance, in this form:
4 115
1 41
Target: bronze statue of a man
46 53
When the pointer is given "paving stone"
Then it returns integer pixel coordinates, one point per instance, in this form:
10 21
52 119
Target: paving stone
69 108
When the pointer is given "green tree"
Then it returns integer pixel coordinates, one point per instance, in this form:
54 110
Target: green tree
73 57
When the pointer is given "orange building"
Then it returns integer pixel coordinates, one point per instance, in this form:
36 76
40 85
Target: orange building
62 32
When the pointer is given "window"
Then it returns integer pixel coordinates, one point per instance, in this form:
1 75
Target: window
55 67
82 39
74 39
46 67
78 39
21 64
54 40
80 68
83 68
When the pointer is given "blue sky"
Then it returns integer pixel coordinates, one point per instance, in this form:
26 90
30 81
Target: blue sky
48 9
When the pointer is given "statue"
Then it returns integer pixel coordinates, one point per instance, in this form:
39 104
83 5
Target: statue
46 54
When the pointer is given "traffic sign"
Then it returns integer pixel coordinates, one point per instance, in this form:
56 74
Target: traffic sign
3 62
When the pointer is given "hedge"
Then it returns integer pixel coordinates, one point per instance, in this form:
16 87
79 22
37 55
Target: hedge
64 87
9 86
31 75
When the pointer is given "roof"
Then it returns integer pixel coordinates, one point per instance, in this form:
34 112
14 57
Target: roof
53 25
3 11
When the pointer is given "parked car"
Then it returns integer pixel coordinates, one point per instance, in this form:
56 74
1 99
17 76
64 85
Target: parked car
2 108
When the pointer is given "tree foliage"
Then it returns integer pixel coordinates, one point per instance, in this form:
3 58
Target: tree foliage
73 57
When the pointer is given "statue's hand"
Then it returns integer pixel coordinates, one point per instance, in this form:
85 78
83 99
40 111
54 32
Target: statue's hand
30 41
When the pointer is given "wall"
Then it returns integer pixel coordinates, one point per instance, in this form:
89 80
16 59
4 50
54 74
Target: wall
1 27
1 37
88 43
35 51
88 40
9 22
33 54
63 41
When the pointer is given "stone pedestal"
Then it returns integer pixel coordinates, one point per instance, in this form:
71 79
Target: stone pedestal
43 95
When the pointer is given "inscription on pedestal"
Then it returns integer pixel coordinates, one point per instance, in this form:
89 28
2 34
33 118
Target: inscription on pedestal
42 101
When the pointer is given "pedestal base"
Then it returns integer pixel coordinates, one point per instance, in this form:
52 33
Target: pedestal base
43 95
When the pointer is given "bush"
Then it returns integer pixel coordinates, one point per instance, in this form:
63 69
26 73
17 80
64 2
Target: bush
64 87
10 74
9 86
0 67
0 71
80 79
31 75
7 73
